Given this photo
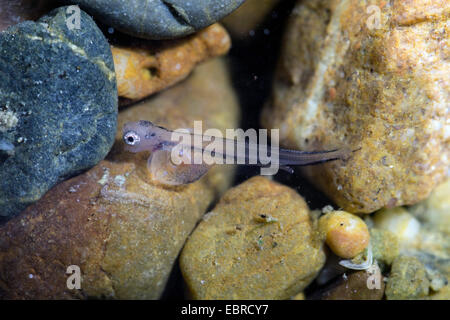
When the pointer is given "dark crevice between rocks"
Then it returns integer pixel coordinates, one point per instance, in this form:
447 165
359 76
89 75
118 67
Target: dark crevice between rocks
253 62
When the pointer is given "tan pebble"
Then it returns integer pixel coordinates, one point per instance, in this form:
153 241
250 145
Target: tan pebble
346 234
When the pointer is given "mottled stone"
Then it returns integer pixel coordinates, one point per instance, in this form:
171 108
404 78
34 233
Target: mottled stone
248 17
122 230
149 67
257 243
385 246
346 80
14 12
158 19
58 105
407 279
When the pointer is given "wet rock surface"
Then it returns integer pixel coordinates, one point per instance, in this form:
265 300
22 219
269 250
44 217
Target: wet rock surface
58 105
383 88
146 68
113 221
161 19
257 243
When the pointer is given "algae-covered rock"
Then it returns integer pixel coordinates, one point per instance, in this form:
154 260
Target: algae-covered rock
371 75
407 280
122 230
158 19
58 105
385 246
257 243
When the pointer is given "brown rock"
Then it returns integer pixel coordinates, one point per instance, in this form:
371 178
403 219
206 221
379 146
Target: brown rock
123 231
345 80
248 16
360 285
257 243
153 66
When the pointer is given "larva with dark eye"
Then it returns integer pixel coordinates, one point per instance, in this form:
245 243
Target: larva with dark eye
145 136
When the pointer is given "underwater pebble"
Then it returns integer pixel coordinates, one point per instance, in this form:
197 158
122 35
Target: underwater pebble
158 19
400 222
343 81
347 235
58 99
407 280
241 254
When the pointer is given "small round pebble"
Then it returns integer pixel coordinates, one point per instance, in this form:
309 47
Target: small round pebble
400 222
346 234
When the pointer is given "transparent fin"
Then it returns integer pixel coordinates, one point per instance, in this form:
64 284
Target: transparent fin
165 171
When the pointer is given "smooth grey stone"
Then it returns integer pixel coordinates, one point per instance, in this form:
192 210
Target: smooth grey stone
58 105
158 19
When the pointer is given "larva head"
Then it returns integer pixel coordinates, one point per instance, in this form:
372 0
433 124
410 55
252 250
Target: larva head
143 136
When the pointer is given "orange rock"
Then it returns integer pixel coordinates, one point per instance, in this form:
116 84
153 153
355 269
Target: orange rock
143 70
346 234
370 76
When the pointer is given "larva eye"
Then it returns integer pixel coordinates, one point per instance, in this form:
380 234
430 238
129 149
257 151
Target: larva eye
131 138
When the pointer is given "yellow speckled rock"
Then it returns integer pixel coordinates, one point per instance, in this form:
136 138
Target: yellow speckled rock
121 230
257 243
347 78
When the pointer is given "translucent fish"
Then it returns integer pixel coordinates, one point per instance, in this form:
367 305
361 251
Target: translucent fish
145 136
